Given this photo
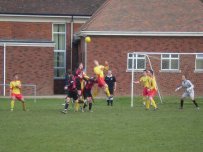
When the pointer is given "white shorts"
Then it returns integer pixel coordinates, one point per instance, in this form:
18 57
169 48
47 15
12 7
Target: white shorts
190 94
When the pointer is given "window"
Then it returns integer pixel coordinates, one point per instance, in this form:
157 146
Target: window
139 62
199 62
169 62
59 37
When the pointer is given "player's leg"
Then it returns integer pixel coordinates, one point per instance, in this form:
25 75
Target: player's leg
102 84
75 98
13 98
90 103
184 95
153 102
192 96
21 99
144 94
66 105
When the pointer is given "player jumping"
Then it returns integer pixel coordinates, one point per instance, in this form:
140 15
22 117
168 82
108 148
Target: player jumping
15 92
189 91
99 71
79 77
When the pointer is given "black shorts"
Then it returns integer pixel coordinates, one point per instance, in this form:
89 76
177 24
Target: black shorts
111 90
73 94
87 93
78 84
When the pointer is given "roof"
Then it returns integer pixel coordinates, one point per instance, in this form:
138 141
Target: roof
147 16
50 7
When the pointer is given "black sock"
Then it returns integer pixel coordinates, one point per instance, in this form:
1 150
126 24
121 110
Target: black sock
66 106
195 103
108 101
90 106
111 102
181 103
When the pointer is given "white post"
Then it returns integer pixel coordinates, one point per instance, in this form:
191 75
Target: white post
155 77
85 56
35 93
4 69
132 82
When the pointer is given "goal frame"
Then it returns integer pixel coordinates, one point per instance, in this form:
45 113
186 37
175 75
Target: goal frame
146 54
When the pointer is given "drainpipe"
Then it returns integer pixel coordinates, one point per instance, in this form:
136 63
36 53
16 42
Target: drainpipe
4 69
85 56
71 43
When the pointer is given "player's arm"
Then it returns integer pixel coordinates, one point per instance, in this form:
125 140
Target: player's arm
191 86
19 85
178 88
136 82
115 84
85 76
11 88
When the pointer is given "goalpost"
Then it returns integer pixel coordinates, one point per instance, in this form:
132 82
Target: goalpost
166 65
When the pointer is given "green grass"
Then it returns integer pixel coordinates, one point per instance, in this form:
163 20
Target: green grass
108 129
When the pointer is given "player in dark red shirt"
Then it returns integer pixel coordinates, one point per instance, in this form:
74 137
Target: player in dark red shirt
87 92
79 78
70 87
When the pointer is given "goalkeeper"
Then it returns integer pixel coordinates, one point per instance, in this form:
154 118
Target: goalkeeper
189 91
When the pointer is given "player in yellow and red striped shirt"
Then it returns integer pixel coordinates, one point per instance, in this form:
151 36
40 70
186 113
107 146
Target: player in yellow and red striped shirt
152 90
99 72
15 92
144 81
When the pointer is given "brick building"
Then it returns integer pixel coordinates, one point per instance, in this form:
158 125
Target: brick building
37 40
122 27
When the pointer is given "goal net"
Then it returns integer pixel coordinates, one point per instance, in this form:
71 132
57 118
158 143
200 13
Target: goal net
168 69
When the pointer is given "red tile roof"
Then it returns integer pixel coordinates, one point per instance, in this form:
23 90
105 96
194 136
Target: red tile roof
148 16
50 7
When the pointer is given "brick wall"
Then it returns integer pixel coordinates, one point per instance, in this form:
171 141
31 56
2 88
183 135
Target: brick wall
25 31
35 66
115 49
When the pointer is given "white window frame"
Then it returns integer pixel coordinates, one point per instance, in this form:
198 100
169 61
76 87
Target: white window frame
64 51
199 58
170 58
135 58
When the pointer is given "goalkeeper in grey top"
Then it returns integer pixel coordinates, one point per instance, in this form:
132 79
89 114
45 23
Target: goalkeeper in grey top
189 91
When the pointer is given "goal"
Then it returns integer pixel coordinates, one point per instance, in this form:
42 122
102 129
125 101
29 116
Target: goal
168 69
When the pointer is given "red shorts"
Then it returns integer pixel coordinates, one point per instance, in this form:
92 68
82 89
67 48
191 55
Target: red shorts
101 82
17 96
145 92
152 93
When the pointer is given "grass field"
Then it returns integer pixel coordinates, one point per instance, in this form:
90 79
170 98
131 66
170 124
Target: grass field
108 129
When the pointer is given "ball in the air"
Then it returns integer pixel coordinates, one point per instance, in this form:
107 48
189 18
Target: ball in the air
87 39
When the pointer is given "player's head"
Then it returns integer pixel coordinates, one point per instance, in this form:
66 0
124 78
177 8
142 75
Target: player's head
109 72
15 76
150 72
145 72
183 77
96 62
80 66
